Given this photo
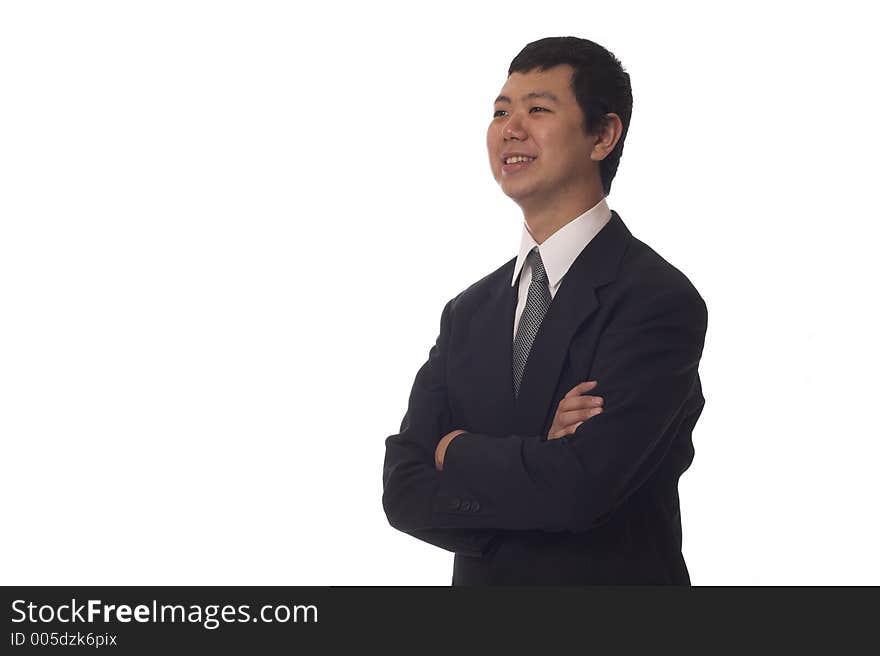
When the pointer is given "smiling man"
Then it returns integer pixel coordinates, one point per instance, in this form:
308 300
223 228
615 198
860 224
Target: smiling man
502 456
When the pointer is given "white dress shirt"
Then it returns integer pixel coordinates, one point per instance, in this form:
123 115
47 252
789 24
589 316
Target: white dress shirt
558 252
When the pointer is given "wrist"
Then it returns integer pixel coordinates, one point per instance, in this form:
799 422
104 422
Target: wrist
442 446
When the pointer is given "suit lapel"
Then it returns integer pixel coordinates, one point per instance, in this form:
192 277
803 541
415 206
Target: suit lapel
484 366
573 303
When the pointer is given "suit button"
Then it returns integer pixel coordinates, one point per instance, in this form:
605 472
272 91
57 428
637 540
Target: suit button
465 505
475 506
454 503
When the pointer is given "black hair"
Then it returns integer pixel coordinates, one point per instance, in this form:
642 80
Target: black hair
600 85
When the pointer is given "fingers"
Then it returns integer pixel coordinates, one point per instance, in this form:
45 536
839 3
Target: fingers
562 432
580 388
579 402
574 416
575 408
565 423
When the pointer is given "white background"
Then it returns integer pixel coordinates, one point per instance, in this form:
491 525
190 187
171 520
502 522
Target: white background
228 229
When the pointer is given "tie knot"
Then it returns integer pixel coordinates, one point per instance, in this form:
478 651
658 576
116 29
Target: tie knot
538 272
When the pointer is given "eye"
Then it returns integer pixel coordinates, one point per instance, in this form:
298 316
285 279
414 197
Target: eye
499 112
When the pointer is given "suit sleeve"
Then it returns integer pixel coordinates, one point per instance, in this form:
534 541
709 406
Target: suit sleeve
646 368
410 480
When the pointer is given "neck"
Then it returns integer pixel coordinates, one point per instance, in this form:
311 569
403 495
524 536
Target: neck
546 218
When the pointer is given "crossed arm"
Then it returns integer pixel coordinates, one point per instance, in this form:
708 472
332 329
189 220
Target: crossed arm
574 409
646 360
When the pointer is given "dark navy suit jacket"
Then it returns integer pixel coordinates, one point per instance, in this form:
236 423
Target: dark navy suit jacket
599 506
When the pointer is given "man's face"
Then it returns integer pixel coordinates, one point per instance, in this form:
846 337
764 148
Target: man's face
547 127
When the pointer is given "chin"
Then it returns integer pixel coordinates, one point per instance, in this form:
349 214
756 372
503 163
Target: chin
516 192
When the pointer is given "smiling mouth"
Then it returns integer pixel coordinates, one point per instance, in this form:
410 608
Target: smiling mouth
518 164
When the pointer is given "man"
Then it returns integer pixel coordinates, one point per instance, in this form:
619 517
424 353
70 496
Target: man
501 457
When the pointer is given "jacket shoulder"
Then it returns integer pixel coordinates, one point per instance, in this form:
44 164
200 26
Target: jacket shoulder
491 283
645 271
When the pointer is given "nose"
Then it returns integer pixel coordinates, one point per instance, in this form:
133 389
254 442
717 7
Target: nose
513 129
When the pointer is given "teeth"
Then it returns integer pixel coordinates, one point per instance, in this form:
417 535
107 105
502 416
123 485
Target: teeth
514 160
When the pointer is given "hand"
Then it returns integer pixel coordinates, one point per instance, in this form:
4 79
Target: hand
574 409
440 451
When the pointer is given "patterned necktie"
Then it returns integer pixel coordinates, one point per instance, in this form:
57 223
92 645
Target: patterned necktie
531 318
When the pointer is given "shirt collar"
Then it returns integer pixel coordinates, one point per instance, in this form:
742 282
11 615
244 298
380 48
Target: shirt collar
559 250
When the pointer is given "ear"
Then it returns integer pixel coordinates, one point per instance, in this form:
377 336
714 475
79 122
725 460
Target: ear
607 137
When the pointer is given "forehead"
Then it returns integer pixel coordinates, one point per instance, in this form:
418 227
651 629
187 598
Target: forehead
556 80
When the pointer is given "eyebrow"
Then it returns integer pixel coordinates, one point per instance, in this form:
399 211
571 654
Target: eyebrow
530 96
